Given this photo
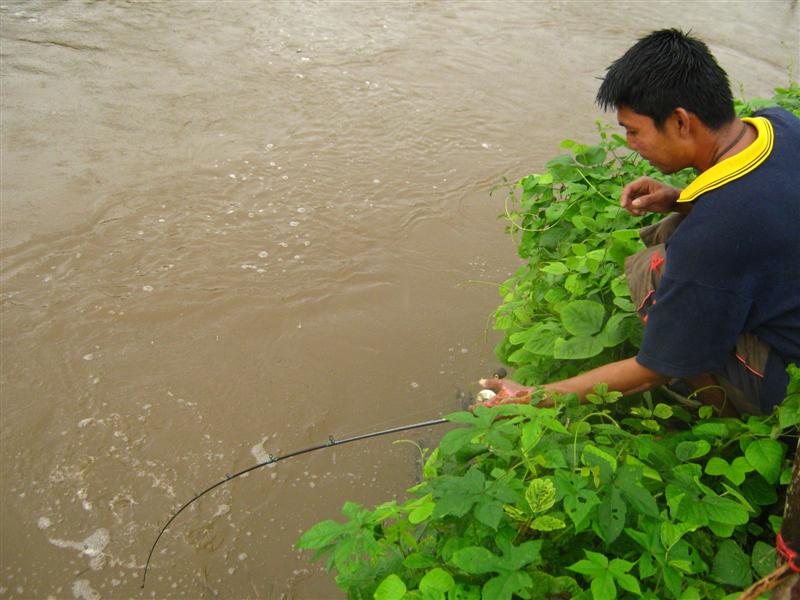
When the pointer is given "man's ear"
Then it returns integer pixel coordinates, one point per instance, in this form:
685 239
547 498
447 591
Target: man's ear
682 120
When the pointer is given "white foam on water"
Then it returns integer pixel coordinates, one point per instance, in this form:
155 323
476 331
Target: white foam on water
92 547
258 451
82 590
44 523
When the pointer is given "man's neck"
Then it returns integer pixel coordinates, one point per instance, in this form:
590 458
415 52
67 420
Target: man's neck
728 140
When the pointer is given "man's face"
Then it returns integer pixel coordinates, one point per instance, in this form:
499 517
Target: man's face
660 147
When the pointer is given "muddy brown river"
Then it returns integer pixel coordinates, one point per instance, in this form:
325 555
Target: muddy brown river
235 228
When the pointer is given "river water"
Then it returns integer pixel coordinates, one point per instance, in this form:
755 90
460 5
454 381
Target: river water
236 228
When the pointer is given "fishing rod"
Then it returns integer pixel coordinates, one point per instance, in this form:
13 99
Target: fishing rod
273 459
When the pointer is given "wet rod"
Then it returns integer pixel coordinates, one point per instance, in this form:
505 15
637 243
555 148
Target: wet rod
273 459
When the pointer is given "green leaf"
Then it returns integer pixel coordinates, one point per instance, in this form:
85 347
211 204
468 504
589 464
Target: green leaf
603 587
704 412
731 566
617 329
437 580
619 568
555 268
505 585
579 505
710 430
662 411
547 523
456 439
418 560
723 510
321 534
763 558
490 513
422 511
583 317
541 495
789 412
592 454
692 450
766 457
640 499
540 338
456 495
476 561
391 588
593 565
611 516
717 466
577 348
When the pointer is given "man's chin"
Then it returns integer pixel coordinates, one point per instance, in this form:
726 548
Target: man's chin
665 170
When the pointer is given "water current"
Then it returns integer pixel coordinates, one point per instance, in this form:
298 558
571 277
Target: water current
236 228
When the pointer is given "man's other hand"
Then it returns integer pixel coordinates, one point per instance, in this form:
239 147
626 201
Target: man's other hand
648 195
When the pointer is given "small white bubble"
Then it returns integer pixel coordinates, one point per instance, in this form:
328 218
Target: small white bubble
232 175
376 181
294 223
147 288
89 356
414 385
263 254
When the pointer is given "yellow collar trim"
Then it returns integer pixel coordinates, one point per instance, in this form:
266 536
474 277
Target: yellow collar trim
737 165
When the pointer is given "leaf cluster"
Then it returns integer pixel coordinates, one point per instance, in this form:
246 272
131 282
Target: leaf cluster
575 501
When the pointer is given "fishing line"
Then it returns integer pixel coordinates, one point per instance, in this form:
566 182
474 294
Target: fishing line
273 459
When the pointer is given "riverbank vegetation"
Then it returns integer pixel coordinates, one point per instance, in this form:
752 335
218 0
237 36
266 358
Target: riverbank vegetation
620 497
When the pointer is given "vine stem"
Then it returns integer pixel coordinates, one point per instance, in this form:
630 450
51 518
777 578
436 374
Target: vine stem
596 191
578 428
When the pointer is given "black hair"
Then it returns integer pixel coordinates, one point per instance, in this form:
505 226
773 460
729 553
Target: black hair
665 70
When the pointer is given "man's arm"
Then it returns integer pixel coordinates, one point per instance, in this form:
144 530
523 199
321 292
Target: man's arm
626 376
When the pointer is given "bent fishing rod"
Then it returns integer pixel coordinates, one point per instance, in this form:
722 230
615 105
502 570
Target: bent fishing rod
273 459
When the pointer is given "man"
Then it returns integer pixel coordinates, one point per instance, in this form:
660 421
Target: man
723 304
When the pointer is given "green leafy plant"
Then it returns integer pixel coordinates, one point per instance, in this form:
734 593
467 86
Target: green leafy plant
590 501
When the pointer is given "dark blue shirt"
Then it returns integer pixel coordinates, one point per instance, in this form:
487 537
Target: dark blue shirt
733 266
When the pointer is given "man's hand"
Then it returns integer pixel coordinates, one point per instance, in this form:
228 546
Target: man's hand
507 392
648 195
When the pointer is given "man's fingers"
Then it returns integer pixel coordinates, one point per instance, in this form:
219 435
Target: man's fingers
492 384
